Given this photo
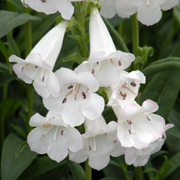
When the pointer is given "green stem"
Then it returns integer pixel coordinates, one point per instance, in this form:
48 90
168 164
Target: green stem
135 38
88 171
29 95
138 173
28 39
29 89
116 36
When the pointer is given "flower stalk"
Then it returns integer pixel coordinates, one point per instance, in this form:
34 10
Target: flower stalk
30 90
88 171
135 39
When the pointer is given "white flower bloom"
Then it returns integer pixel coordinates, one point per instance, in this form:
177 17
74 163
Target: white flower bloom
52 6
148 11
139 157
104 61
100 141
107 8
138 127
77 99
53 136
38 65
126 88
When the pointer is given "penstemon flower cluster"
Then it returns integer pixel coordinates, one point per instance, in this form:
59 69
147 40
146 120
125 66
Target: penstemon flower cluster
71 98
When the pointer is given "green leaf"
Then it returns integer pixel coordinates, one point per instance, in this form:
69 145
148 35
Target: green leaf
11 20
19 130
6 77
173 140
9 106
14 49
16 157
75 57
4 50
39 166
163 89
77 38
18 4
76 170
150 169
170 63
170 167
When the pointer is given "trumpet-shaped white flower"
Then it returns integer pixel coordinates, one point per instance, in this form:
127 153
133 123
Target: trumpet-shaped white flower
38 65
53 136
107 8
52 6
148 11
77 99
104 61
100 141
126 88
138 127
139 157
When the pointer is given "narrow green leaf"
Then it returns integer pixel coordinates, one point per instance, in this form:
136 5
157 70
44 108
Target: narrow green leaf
18 4
19 130
11 20
173 164
9 106
40 166
170 63
4 50
173 140
6 77
76 170
16 157
76 57
163 89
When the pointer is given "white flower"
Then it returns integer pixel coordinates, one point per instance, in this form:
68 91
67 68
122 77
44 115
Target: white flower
139 157
52 6
126 88
77 99
138 127
100 141
107 8
104 61
148 11
38 65
53 137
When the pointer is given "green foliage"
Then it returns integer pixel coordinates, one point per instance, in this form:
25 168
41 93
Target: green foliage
13 19
159 60
16 157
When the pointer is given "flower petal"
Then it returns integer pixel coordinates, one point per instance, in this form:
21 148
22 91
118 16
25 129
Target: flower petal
149 106
94 107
